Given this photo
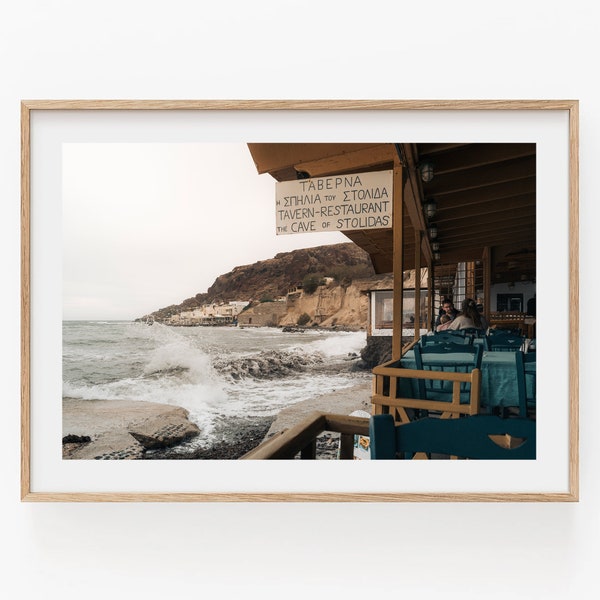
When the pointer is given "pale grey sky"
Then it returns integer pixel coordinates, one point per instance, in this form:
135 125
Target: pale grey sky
148 225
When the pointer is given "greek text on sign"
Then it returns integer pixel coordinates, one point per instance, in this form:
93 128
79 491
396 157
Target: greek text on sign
336 203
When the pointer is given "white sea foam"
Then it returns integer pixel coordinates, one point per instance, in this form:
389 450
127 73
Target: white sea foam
338 344
211 372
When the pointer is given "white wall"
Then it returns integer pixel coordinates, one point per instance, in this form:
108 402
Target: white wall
314 49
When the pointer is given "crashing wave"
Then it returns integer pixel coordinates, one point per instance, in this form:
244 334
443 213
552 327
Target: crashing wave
267 364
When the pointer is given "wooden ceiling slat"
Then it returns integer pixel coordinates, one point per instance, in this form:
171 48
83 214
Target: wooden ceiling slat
470 179
427 150
519 238
516 224
478 155
489 193
515 203
489 221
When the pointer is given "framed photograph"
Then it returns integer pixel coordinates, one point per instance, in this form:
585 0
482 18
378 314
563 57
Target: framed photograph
219 296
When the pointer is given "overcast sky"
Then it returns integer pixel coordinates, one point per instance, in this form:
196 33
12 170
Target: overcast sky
149 225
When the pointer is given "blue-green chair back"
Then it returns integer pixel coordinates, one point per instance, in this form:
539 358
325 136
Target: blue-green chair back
467 357
467 437
474 332
446 336
526 382
504 342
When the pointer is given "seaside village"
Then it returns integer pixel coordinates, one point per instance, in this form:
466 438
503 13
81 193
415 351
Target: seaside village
224 313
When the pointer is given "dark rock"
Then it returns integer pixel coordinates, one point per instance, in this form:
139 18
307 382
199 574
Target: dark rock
360 365
234 437
377 351
163 432
76 439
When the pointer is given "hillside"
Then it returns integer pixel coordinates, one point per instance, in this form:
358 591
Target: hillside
274 277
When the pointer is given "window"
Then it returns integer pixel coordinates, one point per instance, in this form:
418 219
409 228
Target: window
509 302
384 310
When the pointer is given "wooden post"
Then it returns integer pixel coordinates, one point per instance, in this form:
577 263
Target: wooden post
398 271
430 299
487 277
309 452
417 284
346 446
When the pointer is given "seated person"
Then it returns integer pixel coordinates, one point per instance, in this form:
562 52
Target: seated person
445 321
468 317
447 308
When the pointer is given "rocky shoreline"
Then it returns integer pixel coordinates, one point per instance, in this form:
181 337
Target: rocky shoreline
244 434
118 429
122 430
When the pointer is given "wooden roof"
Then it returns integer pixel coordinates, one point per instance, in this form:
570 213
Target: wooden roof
485 196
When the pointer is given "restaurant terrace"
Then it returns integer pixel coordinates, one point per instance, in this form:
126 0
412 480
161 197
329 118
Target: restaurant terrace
463 215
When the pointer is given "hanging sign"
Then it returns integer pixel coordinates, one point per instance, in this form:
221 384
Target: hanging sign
336 203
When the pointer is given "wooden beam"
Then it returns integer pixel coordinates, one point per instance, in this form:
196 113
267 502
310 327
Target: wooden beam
459 181
489 222
417 284
487 281
472 156
348 162
495 236
291 441
494 192
398 253
430 299
487 207
277 157
413 200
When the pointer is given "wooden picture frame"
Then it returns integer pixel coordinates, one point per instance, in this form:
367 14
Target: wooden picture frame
561 487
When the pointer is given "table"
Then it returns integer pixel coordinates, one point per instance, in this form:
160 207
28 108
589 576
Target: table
498 375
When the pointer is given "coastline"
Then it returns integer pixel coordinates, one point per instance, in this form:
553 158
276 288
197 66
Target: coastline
130 430
121 429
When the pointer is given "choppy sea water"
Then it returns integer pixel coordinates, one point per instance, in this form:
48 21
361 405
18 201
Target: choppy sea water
213 372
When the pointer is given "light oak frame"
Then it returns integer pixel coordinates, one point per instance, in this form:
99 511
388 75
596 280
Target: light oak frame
572 109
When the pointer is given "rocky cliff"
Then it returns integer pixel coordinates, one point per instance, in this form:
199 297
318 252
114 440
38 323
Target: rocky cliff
275 277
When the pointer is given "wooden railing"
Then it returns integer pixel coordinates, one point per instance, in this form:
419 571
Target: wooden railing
514 320
387 397
302 438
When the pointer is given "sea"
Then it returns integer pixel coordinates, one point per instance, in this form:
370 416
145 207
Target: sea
215 373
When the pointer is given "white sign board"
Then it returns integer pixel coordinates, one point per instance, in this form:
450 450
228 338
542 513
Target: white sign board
336 203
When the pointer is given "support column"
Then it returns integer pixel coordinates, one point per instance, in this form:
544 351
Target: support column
487 279
398 249
430 298
417 284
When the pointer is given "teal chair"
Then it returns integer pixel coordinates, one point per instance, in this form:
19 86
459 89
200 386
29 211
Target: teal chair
465 358
504 342
526 382
446 336
477 334
468 437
